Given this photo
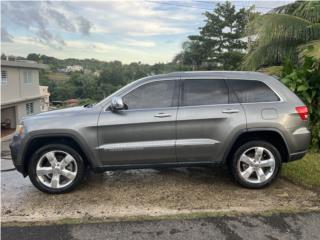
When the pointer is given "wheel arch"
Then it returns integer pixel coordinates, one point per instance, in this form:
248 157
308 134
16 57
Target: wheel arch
271 135
37 141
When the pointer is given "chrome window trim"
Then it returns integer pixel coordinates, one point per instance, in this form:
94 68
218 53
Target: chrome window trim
146 109
201 78
211 105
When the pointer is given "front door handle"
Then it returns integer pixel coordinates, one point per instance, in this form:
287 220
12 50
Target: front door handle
162 115
230 110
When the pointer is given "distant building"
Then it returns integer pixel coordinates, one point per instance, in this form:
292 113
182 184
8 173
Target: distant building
74 68
45 101
20 95
96 73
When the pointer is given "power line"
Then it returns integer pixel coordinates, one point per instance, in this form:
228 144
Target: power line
237 5
204 8
178 5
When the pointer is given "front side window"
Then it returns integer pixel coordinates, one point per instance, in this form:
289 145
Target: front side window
29 108
4 77
204 92
249 91
159 94
27 77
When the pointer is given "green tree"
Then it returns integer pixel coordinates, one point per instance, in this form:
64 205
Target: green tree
33 57
304 80
111 78
83 85
282 33
220 44
193 53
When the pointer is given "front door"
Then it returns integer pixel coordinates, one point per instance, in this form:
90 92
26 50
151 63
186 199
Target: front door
206 120
144 133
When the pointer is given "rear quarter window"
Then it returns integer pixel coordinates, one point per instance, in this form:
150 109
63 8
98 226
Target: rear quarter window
250 91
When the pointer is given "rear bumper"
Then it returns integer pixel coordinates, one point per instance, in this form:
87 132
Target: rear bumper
296 156
299 143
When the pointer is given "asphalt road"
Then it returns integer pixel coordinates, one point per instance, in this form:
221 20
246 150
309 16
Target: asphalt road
282 226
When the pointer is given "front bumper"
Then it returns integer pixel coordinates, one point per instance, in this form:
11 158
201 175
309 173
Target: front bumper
16 153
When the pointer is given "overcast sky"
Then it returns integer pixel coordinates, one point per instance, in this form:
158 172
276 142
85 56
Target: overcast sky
129 31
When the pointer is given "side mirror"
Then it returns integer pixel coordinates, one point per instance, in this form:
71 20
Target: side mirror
117 104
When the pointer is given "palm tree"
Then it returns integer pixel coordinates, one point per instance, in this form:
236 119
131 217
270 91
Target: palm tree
283 33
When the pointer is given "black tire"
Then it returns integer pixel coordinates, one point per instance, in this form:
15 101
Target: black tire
243 148
40 152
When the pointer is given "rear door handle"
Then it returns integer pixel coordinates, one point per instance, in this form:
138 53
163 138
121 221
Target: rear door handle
162 115
230 110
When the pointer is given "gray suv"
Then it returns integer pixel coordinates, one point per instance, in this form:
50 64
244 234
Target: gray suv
249 121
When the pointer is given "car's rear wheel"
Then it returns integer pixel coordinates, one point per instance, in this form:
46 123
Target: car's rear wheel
255 164
56 168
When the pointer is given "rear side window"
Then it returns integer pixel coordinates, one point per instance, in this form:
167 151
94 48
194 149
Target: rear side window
204 92
249 91
159 94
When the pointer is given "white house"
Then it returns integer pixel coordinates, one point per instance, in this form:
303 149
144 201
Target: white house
20 94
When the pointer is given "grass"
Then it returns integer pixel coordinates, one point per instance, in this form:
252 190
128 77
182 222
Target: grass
305 172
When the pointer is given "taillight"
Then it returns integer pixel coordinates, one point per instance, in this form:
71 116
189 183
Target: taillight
303 112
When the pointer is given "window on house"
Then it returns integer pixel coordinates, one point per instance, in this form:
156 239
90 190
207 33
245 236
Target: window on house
27 77
4 77
29 108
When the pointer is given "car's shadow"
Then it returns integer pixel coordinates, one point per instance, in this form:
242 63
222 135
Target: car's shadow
199 175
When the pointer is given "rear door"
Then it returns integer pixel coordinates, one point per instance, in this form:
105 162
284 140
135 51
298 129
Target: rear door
208 117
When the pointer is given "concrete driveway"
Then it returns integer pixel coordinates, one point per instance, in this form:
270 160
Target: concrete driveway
146 193
123 194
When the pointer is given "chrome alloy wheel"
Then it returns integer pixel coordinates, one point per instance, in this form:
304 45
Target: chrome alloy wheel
56 169
256 165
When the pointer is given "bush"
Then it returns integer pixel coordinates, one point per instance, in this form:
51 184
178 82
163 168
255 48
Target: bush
304 80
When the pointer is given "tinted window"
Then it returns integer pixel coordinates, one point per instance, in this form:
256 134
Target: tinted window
204 92
253 91
158 94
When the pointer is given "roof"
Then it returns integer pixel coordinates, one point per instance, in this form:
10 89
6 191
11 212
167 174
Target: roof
211 74
22 64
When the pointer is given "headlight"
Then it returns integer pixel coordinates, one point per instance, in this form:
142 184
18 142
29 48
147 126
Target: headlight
19 129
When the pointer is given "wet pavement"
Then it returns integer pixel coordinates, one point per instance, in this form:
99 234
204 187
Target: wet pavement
282 226
123 194
120 194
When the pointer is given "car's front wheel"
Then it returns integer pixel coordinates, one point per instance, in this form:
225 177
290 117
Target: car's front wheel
56 168
256 164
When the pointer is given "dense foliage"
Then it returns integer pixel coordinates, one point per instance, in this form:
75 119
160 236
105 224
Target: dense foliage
220 43
283 33
304 80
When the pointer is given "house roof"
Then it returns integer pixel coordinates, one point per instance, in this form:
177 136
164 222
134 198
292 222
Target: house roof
23 64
